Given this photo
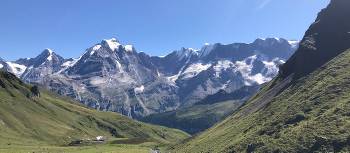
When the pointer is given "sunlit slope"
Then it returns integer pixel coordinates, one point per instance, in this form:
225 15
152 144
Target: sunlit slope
54 120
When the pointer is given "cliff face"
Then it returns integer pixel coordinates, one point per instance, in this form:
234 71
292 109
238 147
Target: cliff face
326 38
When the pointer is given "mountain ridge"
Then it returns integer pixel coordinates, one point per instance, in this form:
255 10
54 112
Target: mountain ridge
108 75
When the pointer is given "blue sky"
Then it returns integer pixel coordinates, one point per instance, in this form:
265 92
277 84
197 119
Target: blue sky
156 27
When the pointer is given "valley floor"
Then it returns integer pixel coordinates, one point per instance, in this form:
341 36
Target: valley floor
112 146
108 148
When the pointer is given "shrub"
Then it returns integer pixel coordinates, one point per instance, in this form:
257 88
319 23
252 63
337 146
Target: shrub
35 91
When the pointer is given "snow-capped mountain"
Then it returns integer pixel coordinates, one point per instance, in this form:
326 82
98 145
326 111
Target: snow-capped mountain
111 76
45 64
216 66
108 77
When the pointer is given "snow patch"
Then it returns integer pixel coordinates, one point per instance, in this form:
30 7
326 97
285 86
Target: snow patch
98 81
222 66
17 69
257 78
95 48
69 63
49 58
194 69
118 64
278 39
294 43
129 48
176 76
120 67
50 50
194 50
245 68
113 43
272 66
139 89
1 66
50 54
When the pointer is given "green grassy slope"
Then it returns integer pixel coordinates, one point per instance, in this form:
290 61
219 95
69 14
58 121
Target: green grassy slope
55 120
106 148
311 115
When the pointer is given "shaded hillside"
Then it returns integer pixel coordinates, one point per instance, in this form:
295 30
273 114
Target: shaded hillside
305 109
326 38
26 119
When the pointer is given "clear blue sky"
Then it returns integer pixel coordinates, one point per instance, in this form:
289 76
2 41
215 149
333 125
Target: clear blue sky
153 26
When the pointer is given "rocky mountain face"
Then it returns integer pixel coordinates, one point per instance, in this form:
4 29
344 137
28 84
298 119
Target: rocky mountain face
114 77
322 41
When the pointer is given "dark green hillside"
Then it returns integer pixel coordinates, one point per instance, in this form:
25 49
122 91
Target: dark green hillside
26 119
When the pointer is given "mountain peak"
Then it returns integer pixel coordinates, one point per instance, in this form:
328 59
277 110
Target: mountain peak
46 56
48 53
48 50
186 52
112 43
129 48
